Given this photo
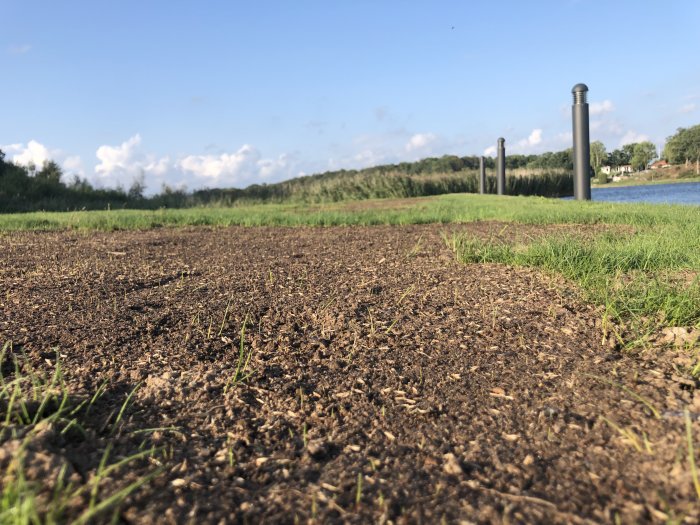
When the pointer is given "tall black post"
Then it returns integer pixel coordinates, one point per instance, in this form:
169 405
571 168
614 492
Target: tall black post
582 144
501 167
482 175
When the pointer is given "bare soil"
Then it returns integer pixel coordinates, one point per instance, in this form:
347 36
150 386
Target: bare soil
387 382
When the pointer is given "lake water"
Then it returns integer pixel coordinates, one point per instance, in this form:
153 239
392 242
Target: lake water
677 193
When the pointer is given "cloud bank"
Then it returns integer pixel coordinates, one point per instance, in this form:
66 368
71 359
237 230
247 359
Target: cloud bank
34 153
119 164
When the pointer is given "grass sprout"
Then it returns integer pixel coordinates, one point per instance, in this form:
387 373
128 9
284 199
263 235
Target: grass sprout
691 452
123 408
33 401
223 321
415 250
241 373
388 330
640 444
408 292
630 392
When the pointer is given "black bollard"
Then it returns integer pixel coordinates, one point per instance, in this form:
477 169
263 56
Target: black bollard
501 167
582 144
482 175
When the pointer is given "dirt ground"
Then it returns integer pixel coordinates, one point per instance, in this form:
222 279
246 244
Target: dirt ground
387 382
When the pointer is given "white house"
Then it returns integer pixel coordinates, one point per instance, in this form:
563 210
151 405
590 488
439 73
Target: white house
627 168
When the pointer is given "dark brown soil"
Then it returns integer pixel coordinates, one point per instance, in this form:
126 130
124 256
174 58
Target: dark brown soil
387 382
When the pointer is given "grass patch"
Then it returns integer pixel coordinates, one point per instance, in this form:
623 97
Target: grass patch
646 278
649 273
36 485
454 208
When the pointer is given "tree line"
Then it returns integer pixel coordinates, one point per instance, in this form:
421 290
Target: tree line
684 147
638 155
25 188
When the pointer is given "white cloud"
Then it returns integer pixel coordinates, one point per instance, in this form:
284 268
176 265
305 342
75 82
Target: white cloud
536 142
74 164
390 146
241 168
358 159
535 138
600 108
420 141
526 145
11 148
274 168
33 153
367 157
689 108
632 136
158 167
118 159
227 167
387 147
121 164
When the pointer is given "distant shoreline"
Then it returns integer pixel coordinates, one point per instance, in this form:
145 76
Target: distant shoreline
644 182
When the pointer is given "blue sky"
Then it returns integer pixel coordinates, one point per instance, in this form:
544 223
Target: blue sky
232 93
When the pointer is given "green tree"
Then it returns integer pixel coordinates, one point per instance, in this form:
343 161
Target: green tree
642 154
684 147
138 186
598 155
628 151
50 172
618 158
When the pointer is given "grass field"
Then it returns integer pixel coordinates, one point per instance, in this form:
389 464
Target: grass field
456 208
646 275
639 264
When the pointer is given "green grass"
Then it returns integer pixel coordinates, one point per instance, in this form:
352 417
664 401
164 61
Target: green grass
241 373
649 271
32 403
645 277
439 209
